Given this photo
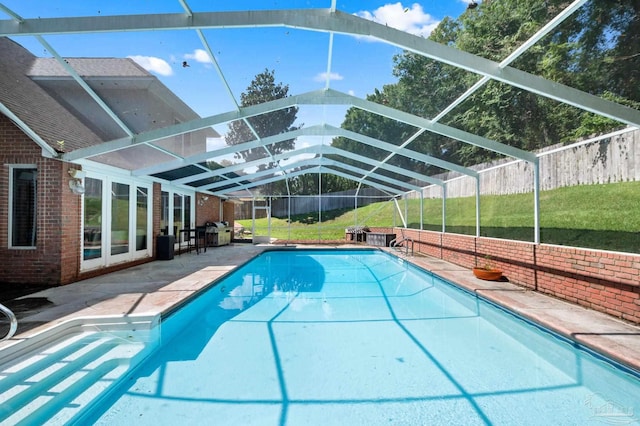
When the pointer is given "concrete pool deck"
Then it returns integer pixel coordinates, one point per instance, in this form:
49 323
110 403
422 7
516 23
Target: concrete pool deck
158 286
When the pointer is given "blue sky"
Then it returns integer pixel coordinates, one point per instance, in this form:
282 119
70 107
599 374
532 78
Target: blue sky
299 58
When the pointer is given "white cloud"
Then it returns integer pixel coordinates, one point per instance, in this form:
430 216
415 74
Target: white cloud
409 19
153 64
323 76
199 55
352 92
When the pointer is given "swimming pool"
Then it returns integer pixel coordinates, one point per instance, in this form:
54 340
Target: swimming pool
359 337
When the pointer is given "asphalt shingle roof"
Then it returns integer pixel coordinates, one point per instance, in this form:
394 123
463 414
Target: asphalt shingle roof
34 106
88 67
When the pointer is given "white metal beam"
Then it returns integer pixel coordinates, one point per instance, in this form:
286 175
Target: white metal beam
46 148
85 86
337 131
325 20
314 130
328 150
314 149
350 168
317 161
269 172
441 129
318 130
317 169
321 97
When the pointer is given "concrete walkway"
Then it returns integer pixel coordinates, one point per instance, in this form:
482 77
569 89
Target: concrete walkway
159 286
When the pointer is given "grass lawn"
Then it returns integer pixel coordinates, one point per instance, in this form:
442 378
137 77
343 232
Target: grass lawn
594 216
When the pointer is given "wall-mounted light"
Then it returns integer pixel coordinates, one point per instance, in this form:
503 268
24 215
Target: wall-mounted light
77 174
75 183
202 200
76 186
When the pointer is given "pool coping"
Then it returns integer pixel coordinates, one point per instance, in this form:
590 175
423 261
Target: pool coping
158 288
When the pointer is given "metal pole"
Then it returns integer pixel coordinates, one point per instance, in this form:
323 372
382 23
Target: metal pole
536 202
444 207
319 206
253 219
421 210
406 209
402 218
289 217
355 197
269 219
478 206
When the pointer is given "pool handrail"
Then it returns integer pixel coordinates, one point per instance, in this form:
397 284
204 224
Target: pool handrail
403 243
13 322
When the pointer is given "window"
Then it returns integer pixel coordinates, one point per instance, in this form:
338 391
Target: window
142 214
92 219
164 214
119 218
178 212
23 213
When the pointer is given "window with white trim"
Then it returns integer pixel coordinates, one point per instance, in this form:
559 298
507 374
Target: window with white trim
23 206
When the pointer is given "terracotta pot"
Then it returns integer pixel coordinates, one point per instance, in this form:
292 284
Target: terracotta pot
487 274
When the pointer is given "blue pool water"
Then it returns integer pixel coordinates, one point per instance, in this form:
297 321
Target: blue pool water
360 338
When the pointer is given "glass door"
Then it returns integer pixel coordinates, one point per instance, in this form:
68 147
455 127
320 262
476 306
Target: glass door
116 221
120 222
142 218
92 223
261 234
181 216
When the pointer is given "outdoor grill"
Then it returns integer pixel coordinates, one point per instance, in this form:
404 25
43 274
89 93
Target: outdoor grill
218 233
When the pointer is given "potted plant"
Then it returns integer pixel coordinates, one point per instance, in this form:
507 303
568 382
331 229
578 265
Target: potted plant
487 272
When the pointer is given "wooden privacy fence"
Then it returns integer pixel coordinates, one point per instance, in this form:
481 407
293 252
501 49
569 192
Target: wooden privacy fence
607 159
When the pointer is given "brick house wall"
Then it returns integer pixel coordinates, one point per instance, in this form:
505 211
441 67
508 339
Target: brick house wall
70 224
56 258
228 211
42 265
156 205
207 210
605 281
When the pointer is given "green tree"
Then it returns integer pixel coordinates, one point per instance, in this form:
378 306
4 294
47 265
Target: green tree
263 89
307 184
595 50
384 129
607 44
497 111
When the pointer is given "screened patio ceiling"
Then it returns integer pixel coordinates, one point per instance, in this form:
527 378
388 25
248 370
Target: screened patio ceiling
289 37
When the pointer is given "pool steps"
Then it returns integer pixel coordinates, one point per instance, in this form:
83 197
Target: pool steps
40 379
